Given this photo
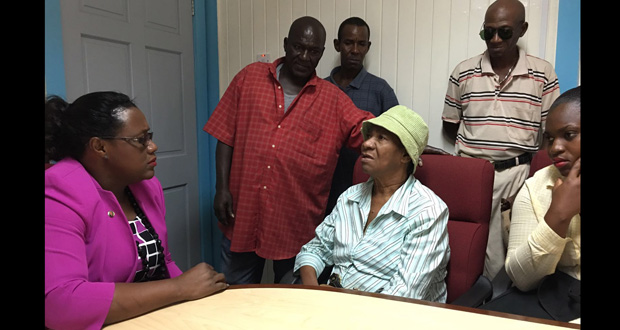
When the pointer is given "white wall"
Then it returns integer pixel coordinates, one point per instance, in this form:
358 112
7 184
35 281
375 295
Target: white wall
415 43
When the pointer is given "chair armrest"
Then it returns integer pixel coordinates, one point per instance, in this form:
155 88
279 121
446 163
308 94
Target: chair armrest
478 294
290 278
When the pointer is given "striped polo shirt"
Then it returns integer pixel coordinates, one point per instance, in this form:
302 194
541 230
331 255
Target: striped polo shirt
500 123
404 251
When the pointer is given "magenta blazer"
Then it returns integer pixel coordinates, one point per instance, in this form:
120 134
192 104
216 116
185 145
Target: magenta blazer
89 245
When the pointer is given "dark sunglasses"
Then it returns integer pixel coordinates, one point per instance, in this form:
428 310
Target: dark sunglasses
487 33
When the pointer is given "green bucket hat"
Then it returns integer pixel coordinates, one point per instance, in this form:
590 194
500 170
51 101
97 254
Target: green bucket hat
407 125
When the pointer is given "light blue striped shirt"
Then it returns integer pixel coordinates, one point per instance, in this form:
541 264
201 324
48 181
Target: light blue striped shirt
404 251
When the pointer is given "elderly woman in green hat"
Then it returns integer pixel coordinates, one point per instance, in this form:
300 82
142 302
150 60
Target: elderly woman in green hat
388 234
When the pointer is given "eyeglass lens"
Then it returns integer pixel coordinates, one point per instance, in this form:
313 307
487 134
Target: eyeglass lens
148 136
503 32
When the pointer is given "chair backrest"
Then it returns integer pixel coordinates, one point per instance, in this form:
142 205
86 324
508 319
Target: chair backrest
466 186
541 159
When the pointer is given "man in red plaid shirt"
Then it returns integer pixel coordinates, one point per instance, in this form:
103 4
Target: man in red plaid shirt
280 129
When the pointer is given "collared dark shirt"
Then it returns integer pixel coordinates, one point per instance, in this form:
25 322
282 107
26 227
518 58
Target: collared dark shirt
368 92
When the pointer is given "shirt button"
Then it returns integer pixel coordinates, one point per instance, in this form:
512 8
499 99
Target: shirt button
111 214
269 166
279 87
273 145
279 126
280 106
264 187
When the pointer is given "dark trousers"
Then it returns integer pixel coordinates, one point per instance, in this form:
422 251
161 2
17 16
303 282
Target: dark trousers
558 297
247 267
515 301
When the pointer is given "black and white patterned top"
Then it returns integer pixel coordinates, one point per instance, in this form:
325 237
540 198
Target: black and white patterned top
150 250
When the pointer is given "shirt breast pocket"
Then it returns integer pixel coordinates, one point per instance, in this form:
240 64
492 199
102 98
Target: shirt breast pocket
308 139
523 124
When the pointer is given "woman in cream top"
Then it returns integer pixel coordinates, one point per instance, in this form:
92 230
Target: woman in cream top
545 230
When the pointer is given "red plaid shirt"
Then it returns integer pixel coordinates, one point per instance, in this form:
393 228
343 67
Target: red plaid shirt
282 163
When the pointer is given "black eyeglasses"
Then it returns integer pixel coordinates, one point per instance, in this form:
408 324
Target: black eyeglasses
143 140
487 33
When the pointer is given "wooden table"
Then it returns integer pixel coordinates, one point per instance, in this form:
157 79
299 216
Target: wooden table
280 306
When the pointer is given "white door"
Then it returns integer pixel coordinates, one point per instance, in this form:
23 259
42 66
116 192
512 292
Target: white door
144 48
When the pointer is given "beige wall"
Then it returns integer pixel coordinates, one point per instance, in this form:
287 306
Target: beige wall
415 43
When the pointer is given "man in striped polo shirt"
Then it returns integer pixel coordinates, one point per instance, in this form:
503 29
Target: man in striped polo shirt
495 109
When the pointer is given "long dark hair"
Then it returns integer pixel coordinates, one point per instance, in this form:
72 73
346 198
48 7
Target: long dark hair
69 126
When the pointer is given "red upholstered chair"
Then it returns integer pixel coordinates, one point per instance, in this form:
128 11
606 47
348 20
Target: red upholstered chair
466 186
541 159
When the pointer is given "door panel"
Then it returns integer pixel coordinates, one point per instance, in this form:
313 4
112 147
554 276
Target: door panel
107 64
165 87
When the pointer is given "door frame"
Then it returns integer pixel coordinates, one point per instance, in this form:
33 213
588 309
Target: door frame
207 96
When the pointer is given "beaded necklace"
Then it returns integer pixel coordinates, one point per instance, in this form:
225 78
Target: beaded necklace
150 250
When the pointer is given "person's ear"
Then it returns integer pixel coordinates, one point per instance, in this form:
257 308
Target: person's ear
524 27
337 45
285 43
98 146
406 158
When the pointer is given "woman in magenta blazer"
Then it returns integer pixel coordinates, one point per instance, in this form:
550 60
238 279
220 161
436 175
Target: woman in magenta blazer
106 249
